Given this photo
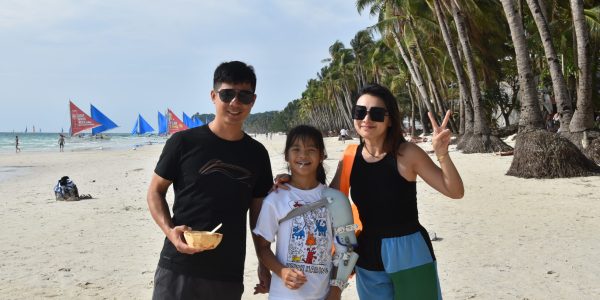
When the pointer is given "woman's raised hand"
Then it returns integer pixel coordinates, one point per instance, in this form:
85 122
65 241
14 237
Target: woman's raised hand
441 134
279 182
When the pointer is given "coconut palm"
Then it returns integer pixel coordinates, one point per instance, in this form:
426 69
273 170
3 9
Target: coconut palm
392 17
456 63
563 100
538 153
583 118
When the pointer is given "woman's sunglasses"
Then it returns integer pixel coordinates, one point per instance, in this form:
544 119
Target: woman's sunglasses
377 114
243 96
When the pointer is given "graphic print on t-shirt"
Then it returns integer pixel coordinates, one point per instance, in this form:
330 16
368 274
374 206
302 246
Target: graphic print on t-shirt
232 171
309 248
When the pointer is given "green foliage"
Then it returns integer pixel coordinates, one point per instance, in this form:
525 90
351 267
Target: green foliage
260 122
373 57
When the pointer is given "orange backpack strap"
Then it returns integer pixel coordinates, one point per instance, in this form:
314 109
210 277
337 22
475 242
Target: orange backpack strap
347 162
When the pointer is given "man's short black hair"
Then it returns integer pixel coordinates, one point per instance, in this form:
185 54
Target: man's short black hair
234 72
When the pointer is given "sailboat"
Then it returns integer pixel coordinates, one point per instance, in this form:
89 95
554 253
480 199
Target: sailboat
80 121
196 121
99 117
191 122
174 123
162 124
141 126
187 121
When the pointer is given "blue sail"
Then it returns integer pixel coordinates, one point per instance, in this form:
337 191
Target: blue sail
191 122
141 126
196 121
99 117
187 121
162 124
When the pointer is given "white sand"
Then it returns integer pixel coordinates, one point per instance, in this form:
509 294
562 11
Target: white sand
508 238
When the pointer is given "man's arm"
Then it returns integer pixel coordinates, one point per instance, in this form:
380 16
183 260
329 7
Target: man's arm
159 209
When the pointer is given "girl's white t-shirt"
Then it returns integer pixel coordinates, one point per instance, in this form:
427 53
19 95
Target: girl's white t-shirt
303 243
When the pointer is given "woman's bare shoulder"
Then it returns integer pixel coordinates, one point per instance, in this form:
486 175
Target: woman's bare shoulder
409 149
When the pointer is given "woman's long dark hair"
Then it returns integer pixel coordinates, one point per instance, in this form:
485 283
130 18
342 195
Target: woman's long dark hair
308 133
394 135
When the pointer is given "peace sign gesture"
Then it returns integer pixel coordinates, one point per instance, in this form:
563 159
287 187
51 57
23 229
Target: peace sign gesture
441 135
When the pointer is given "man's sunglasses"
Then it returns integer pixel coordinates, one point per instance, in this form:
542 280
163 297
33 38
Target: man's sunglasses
243 96
377 114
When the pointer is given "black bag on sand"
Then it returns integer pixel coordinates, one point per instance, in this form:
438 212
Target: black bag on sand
66 190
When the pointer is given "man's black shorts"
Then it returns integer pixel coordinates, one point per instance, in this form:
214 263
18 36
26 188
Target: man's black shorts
173 286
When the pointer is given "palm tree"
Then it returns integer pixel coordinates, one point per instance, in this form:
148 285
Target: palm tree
458 70
362 45
563 100
481 141
538 153
583 118
391 18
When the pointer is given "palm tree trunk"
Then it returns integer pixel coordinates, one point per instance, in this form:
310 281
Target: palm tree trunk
531 115
480 125
434 92
454 57
583 118
441 83
412 110
563 101
419 83
538 153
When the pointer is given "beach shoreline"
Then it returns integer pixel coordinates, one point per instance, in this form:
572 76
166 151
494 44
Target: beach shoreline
508 238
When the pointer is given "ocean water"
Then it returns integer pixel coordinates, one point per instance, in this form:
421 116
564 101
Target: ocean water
47 142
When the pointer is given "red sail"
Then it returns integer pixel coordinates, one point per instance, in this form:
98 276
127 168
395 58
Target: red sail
174 123
80 121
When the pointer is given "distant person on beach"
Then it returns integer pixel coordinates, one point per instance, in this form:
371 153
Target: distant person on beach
17 149
302 261
218 172
556 120
61 143
343 135
396 258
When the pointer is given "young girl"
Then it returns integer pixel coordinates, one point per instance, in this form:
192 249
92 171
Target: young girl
302 263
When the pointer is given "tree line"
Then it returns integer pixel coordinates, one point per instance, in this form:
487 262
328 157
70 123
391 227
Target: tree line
486 61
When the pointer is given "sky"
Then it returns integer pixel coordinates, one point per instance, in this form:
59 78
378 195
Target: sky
143 56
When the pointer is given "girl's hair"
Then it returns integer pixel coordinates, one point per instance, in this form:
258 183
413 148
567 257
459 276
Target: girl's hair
394 136
307 133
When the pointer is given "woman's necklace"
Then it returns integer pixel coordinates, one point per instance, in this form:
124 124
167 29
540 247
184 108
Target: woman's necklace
374 156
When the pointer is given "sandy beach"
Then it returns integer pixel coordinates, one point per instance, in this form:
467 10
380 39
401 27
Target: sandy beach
508 238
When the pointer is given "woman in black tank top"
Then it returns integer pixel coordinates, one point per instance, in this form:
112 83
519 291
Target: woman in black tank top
396 257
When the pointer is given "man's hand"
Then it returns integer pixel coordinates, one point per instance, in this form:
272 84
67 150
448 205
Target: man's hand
334 293
175 235
264 280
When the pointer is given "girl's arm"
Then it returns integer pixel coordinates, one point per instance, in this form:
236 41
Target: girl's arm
292 278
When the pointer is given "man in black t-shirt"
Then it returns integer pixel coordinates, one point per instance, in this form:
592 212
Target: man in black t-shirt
218 172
